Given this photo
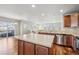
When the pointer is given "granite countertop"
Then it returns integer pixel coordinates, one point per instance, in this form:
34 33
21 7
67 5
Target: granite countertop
68 31
44 40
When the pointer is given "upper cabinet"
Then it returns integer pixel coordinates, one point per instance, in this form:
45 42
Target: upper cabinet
74 19
67 21
71 20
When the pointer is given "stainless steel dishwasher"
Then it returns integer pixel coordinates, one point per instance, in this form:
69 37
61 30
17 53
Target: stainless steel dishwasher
59 39
77 42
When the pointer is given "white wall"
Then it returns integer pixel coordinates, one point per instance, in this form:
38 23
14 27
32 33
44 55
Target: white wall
24 27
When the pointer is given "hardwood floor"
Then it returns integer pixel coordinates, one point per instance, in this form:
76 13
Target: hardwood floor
7 46
62 50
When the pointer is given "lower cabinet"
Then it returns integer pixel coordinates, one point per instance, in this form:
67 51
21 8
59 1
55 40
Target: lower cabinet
20 47
41 50
70 41
28 48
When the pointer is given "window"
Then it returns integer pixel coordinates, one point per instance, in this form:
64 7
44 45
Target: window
7 29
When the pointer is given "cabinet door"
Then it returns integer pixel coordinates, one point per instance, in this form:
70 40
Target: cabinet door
40 50
74 20
70 41
67 21
20 47
28 48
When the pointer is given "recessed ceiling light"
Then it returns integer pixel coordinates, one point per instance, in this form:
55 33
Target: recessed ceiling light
42 14
33 6
61 10
14 23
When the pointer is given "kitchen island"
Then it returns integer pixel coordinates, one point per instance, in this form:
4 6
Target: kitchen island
45 43
34 44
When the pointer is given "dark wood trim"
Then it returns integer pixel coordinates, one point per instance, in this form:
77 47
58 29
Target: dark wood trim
44 33
78 20
20 41
49 51
34 49
63 45
23 45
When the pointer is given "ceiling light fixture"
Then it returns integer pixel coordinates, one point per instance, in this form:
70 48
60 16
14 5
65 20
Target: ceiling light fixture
61 10
33 6
42 14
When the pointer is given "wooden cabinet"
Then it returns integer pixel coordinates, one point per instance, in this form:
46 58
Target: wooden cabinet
67 21
74 19
28 48
71 20
20 47
70 40
41 50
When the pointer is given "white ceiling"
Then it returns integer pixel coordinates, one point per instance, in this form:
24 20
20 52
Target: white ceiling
26 12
